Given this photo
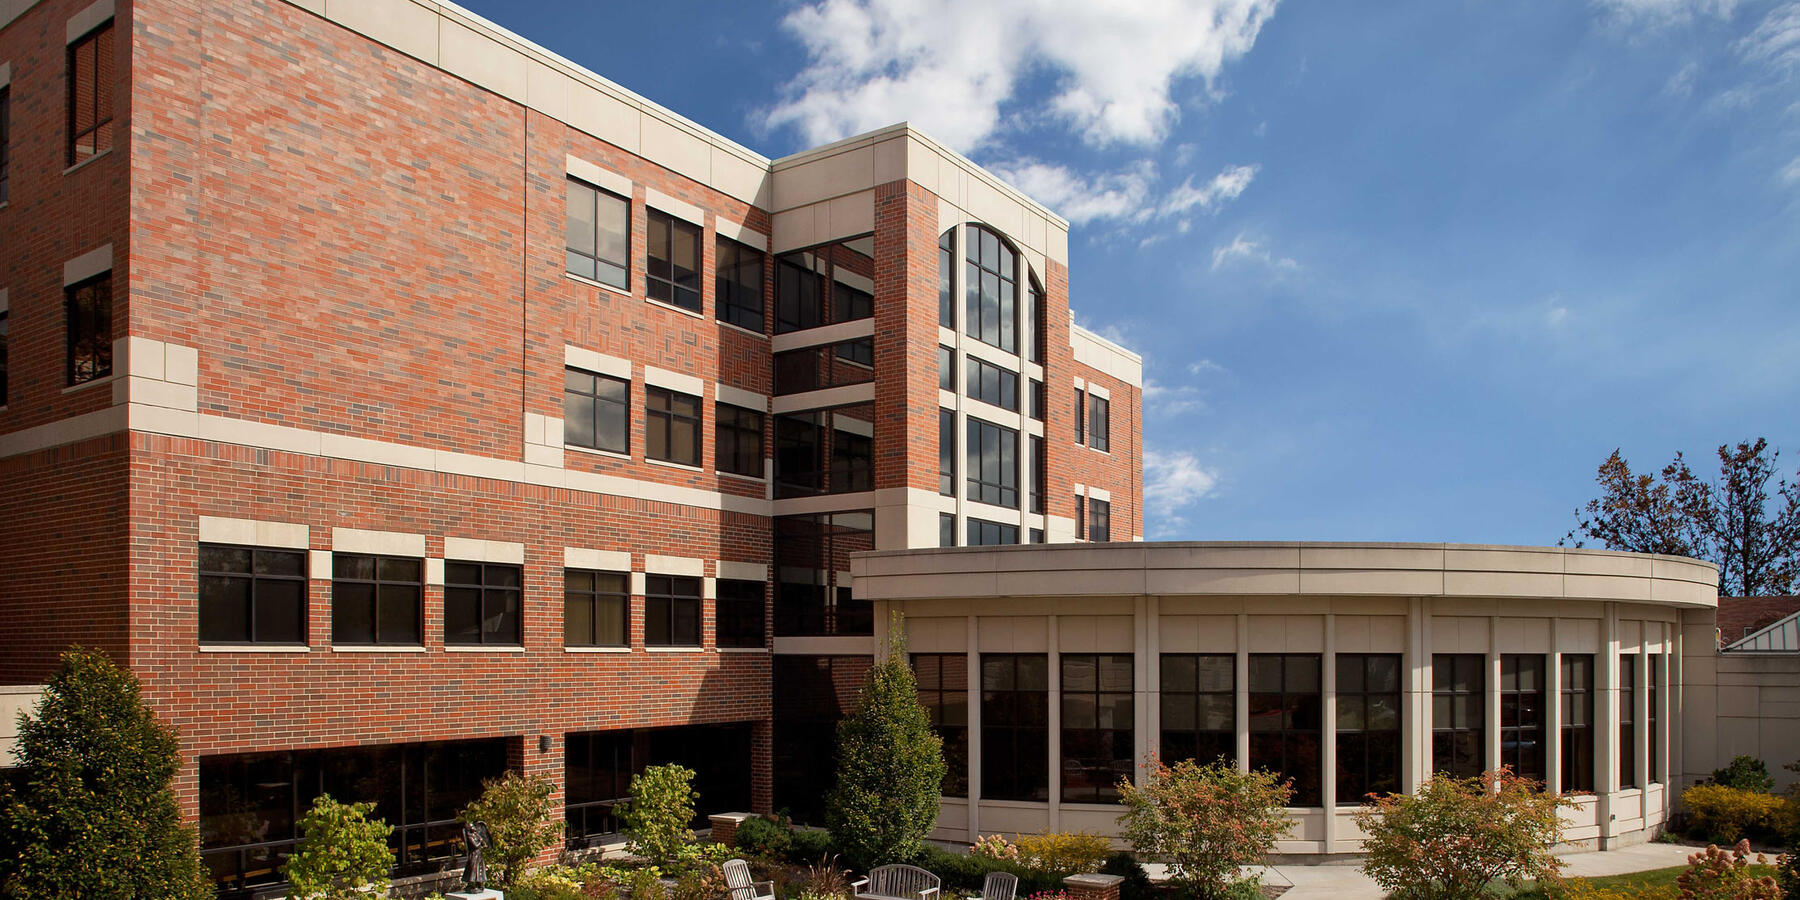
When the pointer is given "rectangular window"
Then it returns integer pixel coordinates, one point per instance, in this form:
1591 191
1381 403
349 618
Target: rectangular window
1039 479
1368 725
1628 742
1015 727
946 452
1037 535
946 297
991 283
1099 520
1099 432
252 595
596 411
983 533
1522 714
1080 416
826 366
993 385
91 94
672 260
596 606
598 241
1080 518
993 460
943 683
1199 707
739 613
1458 714
946 368
738 284
738 440
1096 726
482 603
88 314
852 457
1037 400
1577 690
671 611
672 426
1654 719
946 530
1285 721
5 140
1039 322
377 600
825 285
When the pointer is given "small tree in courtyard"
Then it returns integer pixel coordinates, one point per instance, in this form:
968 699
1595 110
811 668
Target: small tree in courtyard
662 805
1205 821
890 766
90 812
516 809
1455 837
341 854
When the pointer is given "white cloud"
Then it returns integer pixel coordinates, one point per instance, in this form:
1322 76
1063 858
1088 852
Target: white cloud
1172 483
1166 401
949 66
1242 249
1666 12
1681 84
1127 196
1790 173
1776 40
1206 367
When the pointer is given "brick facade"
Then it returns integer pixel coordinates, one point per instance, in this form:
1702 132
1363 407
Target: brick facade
340 302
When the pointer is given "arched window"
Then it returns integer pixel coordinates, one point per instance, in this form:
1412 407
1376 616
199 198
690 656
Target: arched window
990 286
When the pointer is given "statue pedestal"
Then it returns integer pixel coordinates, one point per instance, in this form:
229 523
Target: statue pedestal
489 894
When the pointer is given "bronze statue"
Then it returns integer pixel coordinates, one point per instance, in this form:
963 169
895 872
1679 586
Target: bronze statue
475 839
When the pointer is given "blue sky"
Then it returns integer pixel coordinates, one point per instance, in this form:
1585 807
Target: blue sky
1399 271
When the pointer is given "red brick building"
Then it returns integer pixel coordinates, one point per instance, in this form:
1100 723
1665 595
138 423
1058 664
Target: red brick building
403 403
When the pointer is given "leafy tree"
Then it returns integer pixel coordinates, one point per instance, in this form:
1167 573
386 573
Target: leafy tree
516 808
90 812
890 766
1205 821
341 852
662 805
1454 838
1747 521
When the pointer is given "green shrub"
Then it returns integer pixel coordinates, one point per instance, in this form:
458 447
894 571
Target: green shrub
1205 821
662 805
1746 773
90 811
1724 815
341 851
550 883
1718 875
645 884
890 766
807 846
516 808
758 836
965 872
1458 838
1136 885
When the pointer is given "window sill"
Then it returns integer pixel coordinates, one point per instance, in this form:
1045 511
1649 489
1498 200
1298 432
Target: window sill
89 161
674 465
743 649
680 309
591 451
75 388
722 323
377 648
623 292
483 648
757 479
596 649
255 648
674 649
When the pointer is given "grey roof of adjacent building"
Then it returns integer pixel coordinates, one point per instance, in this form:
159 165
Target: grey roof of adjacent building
1780 636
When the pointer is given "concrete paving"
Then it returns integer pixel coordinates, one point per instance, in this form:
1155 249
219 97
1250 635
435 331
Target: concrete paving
1346 882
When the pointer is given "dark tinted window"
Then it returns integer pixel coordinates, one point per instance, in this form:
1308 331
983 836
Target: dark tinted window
738 440
739 613
993 461
88 314
825 285
1577 690
90 82
595 608
983 533
671 611
1015 727
252 595
1099 432
1458 714
598 242
991 384
1522 685
1099 520
482 603
991 283
1368 725
943 682
1285 726
946 265
1199 707
1097 731
671 426
377 600
596 411
738 284
672 260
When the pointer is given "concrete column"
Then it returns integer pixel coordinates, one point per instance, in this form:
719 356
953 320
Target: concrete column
1416 748
974 657
1328 729
1606 726
1553 780
1243 692
1055 741
1151 741
1491 706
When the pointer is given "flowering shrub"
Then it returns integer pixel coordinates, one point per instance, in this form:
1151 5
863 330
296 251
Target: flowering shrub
1725 815
1049 895
1205 821
1066 853
1714 874
1455 837
995 846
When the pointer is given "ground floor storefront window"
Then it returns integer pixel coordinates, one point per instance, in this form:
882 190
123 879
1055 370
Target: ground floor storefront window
599 766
